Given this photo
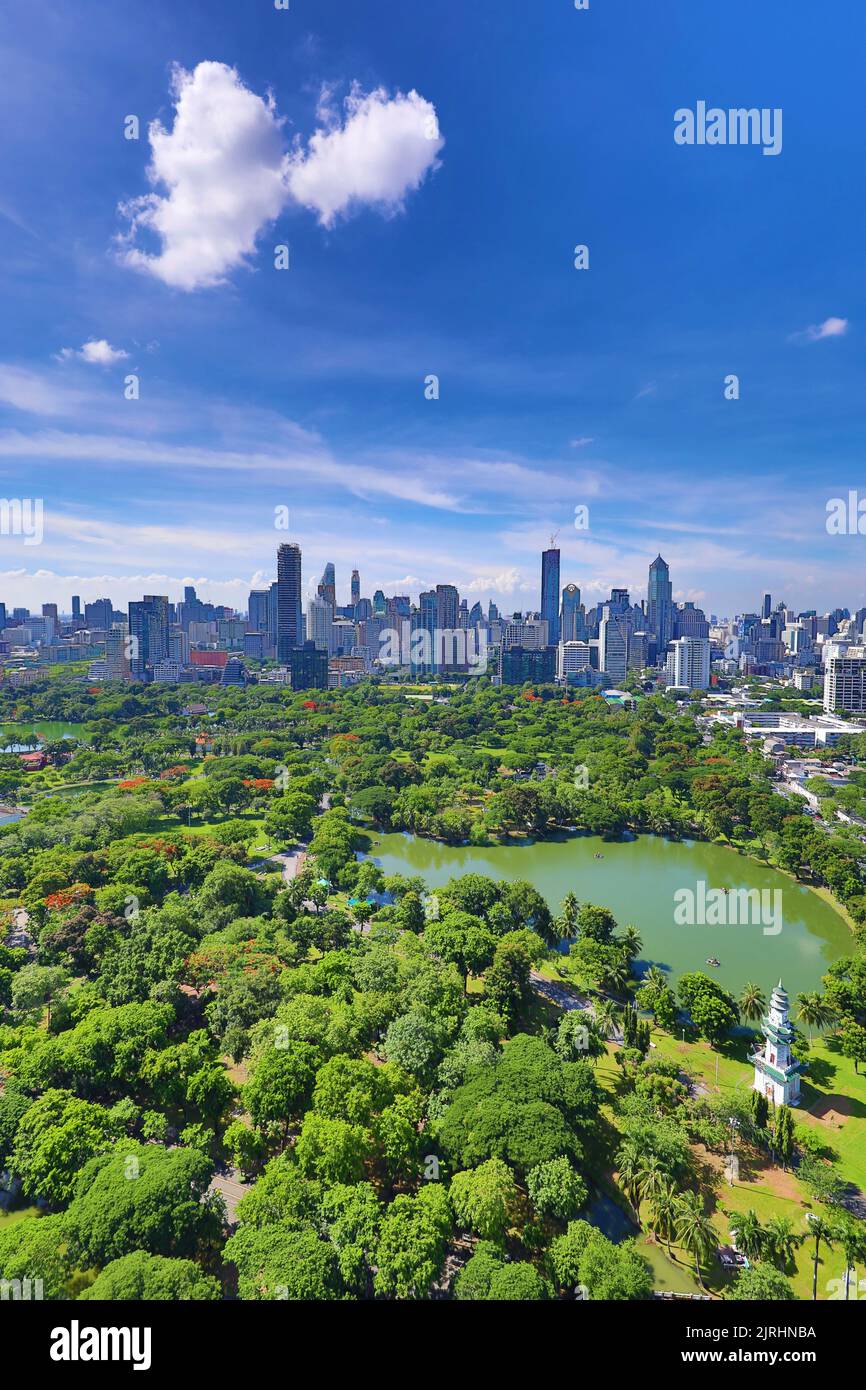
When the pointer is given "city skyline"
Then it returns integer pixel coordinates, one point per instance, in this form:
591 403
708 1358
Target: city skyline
305 390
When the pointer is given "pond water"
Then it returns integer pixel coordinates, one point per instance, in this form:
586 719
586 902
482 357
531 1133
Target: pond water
637 878
46 730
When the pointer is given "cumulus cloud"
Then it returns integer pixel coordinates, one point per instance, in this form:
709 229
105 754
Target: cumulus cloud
223 172
223 168
98 351
830 328
385 148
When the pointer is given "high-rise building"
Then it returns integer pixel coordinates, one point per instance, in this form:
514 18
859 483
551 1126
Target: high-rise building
99 614
258 610
690 621
660 604
845 682
518 665
572 622
309 667
614 631
356 588
767 606
328 586
289 629
320 616
688 666
550 592
572 657
148 631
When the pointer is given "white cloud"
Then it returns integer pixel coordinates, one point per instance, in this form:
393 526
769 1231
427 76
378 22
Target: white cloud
222 172
582 441
97 351
384 149
830 328
223 167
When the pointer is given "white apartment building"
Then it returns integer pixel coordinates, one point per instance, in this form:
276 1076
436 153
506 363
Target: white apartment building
845 682
688 663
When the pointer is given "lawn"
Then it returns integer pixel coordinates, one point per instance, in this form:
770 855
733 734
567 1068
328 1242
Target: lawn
834 1103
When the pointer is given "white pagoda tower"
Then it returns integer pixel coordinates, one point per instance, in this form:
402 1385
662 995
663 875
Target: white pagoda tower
777 1075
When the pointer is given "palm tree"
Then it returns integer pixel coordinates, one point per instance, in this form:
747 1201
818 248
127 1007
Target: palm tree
566 922
851 1235
629 1161
604 1013
781 1238
654 979
653 1178
695 1231
632 939
616 977
748 1233
814 1011
664 1210
821 1230
752 1001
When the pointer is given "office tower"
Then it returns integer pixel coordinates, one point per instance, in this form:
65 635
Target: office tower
689 663
288 600
476 615
259 613
572 626
492 612
2 615
148 631
428 608
356 588
571 658
638 651
613 638
379 604
99 614
320 616
530 633
328 586
518 665
117 654
550 592
660 605
363 610
690 621
309 666
234 672
447 607
76 608
767 606
845 682
49 610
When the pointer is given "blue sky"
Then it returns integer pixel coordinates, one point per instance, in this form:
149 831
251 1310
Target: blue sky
305 388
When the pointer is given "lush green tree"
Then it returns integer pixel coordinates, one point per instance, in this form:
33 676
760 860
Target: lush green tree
485 1199
144 1278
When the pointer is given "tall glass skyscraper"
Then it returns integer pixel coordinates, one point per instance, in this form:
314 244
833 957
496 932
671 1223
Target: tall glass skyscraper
573 626
289 634
550 593
660 604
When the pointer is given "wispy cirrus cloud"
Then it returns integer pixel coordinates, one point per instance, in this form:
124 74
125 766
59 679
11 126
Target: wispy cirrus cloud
817 332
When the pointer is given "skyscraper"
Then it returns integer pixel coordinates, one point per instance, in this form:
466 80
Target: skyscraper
550 593
328 586
288 601
614 631
767 606
356 587
572 626
660 607
148 629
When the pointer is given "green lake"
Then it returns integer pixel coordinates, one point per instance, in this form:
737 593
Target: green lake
637 879
47 730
